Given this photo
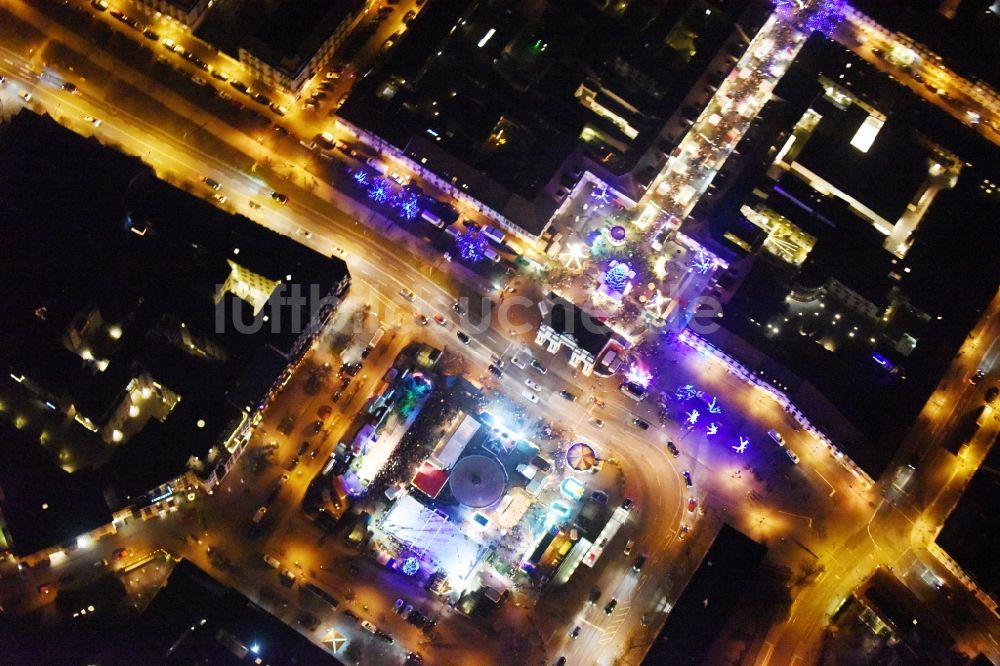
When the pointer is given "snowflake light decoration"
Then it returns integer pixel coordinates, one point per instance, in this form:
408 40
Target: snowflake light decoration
380 190
712 429
411 566
693 416
360 177
702 264
685 392
713 406
742 446
601 195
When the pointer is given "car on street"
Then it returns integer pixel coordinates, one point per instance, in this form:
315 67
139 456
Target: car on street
422 319
575 634
257 517
538 366
776 436
517 362
317 425
567 396
279 197
211 182
440 320
150 35
687 478
272 561
96 122
692 504
640 424
978 377
324 412
25 95
495 371
628 504
533 385
595 594
408 295
673 449
639 562
463 338
368 626
628 547
458 309
529 396
609 607
220 199
99 5
70 88
597 423
791 456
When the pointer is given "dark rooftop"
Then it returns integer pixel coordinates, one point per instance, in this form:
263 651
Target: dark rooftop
590 333
113 276
196 620
712 596
40 503
971 534
496 86
885 178
295 31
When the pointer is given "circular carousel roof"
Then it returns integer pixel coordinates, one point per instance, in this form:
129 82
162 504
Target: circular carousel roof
478 481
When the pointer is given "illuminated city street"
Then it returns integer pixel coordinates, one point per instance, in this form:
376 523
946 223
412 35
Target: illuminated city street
437 360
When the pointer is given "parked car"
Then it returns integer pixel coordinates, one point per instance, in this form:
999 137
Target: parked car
568 396
538 366
776 436
465 339
687 478
791 456
517 362
609 608
673 449
640 424
279 197
533 385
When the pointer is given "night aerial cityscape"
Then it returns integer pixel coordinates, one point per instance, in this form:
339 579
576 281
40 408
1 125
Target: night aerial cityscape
515 332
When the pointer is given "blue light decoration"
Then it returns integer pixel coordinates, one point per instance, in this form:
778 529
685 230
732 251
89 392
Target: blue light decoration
685 392
601 195
411 566
825 18
742 446
380 190
616 277
712 429
702 264
693 416
713 406
360 177
408 205
638 375
471 246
